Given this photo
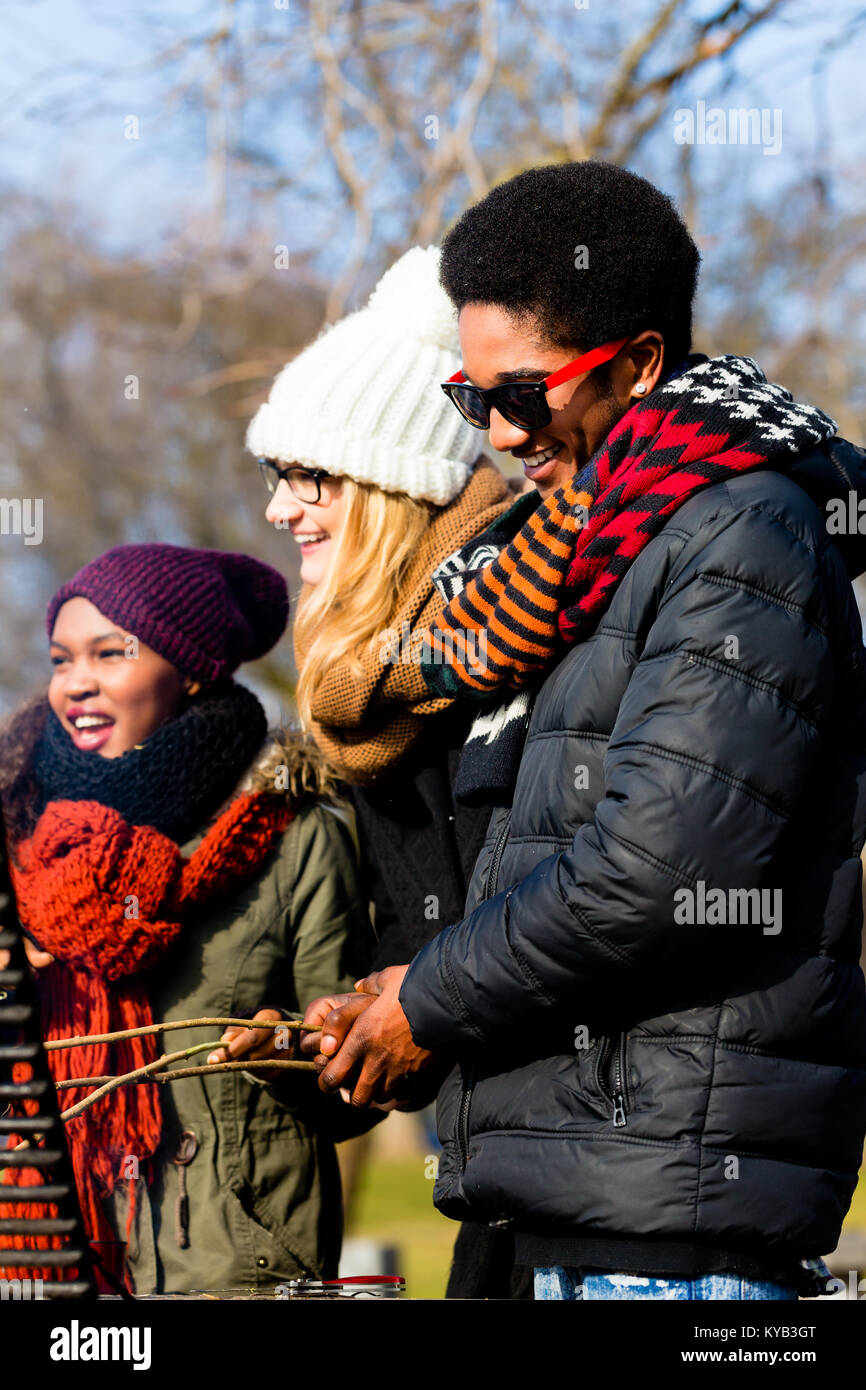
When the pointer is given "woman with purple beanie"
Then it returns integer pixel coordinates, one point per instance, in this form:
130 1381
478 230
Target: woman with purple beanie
172 861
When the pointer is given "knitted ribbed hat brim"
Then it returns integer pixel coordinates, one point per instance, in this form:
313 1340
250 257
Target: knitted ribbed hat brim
205 611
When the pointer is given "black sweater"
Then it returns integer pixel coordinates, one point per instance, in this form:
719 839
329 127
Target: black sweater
418 846
418 849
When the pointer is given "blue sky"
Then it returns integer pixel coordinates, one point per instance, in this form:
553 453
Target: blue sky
73 70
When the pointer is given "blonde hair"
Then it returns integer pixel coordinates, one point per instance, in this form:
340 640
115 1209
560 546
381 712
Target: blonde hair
342 617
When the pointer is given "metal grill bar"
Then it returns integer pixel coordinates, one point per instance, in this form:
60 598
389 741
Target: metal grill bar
37 1226
30 1089
25 1124
50 1259
70 1290
14 1013
51 1192
33 1158
21 1041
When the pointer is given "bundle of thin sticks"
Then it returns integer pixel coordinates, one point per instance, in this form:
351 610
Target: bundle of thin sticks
158 1070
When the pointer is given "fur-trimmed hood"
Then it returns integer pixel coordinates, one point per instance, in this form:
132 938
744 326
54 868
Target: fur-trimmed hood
290 762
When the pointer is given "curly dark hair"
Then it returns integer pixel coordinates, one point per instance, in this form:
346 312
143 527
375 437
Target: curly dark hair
19 789
520 248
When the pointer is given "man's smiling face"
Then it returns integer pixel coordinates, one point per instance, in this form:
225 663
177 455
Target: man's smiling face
497 347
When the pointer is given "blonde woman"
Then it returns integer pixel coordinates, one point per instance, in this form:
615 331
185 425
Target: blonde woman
379 481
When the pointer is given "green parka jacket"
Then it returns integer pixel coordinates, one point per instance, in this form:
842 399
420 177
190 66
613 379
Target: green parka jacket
263 1200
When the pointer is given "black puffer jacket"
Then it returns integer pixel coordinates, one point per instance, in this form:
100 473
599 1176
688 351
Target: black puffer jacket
627 1080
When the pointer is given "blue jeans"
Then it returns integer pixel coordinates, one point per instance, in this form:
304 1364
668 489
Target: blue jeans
559 1282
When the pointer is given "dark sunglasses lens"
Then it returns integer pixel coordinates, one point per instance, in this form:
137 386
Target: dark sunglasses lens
523 406
269 473
470 405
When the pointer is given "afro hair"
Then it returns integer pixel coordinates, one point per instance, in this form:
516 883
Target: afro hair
587 251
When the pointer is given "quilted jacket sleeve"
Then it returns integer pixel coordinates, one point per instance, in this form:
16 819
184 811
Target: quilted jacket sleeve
714 743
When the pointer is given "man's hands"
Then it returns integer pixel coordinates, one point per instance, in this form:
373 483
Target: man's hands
252 1044
364 1043
333 1016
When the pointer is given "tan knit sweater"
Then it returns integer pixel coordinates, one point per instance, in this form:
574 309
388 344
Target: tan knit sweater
365 725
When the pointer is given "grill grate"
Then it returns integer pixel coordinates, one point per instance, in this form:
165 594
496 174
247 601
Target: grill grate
21 1041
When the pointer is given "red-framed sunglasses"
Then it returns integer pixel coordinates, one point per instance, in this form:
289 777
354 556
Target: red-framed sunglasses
521 403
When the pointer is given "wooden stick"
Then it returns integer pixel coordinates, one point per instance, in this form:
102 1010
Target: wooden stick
180 1072
144 1074
152 1028
112 1085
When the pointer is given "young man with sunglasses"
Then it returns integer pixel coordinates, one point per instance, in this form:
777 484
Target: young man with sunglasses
652 1009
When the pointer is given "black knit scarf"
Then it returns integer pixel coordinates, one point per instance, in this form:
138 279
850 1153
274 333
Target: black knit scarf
176 780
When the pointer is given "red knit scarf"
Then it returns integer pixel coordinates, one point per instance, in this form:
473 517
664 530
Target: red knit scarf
107 899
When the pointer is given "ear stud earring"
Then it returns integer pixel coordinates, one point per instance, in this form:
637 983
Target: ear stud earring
640 388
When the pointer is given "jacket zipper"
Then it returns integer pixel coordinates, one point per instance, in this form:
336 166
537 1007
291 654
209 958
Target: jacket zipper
468 1073
496 859
617 1092
468 1078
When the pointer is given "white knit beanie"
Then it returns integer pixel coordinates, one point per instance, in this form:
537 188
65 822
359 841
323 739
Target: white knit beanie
363 400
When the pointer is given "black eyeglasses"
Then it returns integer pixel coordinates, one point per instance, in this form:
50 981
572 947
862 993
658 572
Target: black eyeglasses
522 403
306 483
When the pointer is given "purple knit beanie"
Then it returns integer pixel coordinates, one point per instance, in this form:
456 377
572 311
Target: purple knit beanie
205 611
